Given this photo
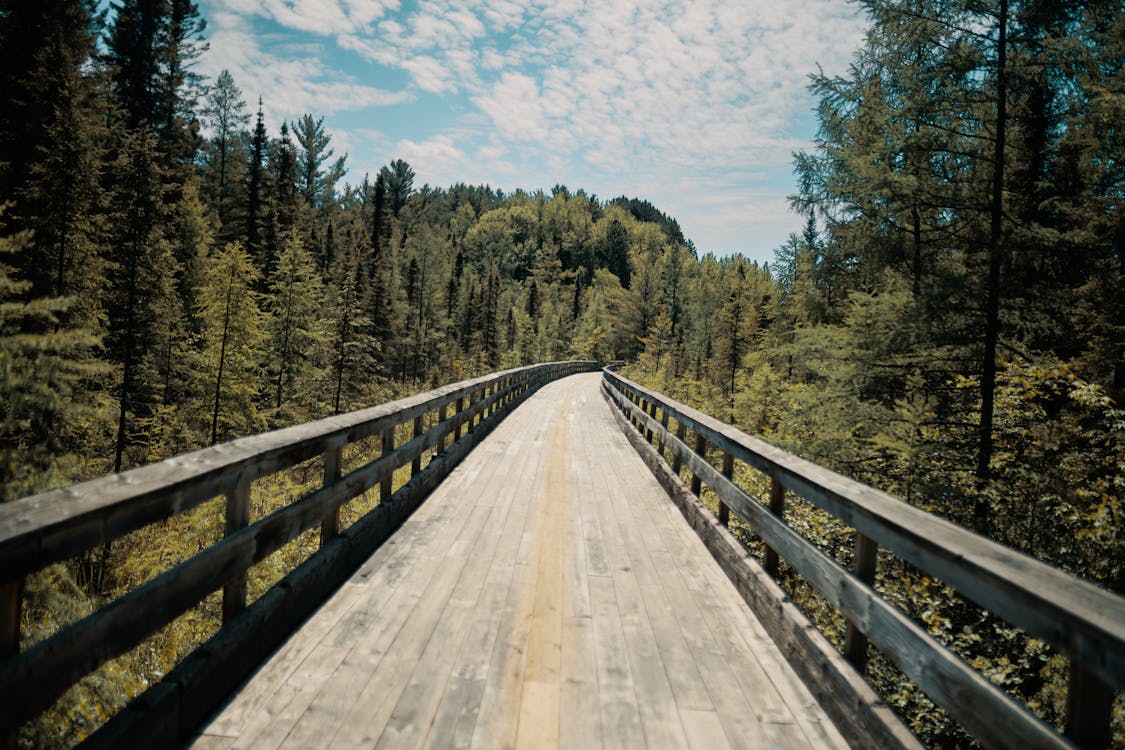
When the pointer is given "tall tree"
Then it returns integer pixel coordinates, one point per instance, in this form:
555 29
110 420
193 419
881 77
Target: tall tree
398 178
142 272
295 291
43 366
233 333
256 186
226 118
316 180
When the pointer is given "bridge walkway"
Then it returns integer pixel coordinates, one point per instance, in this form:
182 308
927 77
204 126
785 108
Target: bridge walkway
547 594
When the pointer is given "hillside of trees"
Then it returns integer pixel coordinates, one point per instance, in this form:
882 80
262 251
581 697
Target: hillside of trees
175 271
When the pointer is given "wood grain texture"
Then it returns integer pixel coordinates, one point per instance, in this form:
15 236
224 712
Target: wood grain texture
529 603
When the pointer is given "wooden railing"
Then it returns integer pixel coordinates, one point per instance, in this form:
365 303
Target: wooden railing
1078 619
62 524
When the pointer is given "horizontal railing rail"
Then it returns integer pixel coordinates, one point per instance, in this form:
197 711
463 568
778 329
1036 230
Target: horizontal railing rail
61 524
1079 619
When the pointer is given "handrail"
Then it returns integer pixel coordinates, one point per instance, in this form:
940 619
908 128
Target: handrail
60 524
1081 620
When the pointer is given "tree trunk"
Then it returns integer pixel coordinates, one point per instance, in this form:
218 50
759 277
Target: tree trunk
992 301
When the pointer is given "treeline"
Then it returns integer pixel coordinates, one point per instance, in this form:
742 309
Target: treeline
176 273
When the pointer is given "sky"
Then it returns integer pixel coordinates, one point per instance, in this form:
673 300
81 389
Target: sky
696 106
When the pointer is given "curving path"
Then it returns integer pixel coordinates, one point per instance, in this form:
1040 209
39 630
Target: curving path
548 594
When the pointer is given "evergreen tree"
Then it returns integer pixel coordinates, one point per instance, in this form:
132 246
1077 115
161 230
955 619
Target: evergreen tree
294 297
256 187
315 180
44 366
398 179
233 333
141 292
614 252
226 118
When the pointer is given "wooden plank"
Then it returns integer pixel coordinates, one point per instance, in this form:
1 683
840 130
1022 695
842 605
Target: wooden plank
11 603
704 730
656 702
855 643
617 702
412 718
777 507
237 517
330 526
1089 709
456 715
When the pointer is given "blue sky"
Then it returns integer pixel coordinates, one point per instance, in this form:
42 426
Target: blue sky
695 106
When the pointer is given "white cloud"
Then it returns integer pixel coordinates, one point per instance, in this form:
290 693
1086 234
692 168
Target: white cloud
289 85
629 94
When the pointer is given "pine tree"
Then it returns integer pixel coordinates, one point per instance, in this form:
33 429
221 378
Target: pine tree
256 189
294 297
142 275
315 180
227 119
232 337
44 365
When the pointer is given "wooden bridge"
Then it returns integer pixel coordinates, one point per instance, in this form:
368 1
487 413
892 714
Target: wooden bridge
551 590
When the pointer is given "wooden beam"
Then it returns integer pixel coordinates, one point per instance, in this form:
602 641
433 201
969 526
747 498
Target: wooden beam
777 507
701 451
330 527
238 516
416 464
681 435
728 472
1089 708
387 484
855 642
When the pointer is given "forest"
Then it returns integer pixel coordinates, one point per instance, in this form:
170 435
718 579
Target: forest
950 326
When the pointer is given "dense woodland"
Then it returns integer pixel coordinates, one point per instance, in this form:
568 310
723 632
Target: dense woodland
175 271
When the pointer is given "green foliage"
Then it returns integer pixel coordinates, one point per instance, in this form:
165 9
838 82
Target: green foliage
43 366
232 333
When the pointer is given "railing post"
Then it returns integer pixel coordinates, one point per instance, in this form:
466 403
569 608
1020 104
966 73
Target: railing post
701 451
728 472
388 447
1089 705
660 438
460 408
330 526
777 507
416 464
650 410
441 418
677 460
855 642
11 601
238 516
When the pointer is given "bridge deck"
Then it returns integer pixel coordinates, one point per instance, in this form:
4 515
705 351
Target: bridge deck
547 594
